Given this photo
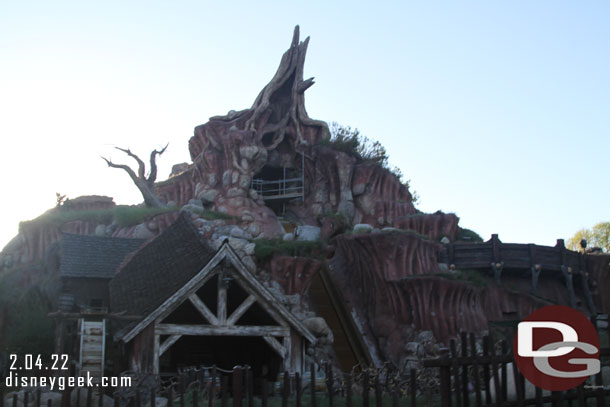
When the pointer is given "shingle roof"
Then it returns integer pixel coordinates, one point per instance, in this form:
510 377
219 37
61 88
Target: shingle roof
94 256
159 268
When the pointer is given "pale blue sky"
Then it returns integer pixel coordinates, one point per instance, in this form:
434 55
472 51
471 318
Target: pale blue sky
498 111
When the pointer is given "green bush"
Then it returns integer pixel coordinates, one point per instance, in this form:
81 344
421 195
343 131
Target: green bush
266 248
468 235
30 330
469 276
365 150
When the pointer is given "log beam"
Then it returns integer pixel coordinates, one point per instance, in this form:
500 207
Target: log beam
241 310
214 330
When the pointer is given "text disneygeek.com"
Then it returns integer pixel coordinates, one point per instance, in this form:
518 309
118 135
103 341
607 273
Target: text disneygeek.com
61 383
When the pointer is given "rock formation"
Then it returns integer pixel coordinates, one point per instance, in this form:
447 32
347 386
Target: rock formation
387 270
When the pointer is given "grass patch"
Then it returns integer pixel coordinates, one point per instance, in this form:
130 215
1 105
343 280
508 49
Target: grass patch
266 248
132 215
123 215
469 276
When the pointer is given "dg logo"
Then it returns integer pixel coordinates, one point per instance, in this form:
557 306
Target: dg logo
556 348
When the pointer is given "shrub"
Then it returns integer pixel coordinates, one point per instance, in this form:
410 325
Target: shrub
266 248
468 235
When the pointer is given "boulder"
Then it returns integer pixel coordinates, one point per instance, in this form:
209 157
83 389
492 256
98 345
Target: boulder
307 233
363 228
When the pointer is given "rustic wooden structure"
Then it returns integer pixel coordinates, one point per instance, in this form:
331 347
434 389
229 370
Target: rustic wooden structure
203 301
571 266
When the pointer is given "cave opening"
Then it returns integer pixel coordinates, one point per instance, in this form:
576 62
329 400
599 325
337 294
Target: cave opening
280 184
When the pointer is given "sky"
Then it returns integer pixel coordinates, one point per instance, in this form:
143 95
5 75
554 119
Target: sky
498 111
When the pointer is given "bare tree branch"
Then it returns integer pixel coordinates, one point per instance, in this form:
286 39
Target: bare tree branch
141 165
146 185
153 164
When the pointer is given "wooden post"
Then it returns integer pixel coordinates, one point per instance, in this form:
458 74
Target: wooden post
313 385
485 367
221 304
285 389
117 401
225 391
378 399
100 398
475 370
494 370
365 388
237 386
250 388
329 384
413 388
90 396
170 397
348 389
212 392
297 385
456 373
15 400
38 396
264 393
504 383
77 397
25 399
464 351
195 401
153 397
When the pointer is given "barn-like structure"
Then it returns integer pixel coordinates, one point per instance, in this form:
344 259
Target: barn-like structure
194 305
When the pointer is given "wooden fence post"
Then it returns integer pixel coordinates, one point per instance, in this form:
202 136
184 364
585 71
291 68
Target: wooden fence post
413 388
378 399
445 380
225 391
264 392
170 397
329 384
237 386
464 352
348 389
250 388
313 385
285 389
212 392
297 384
365 388
456 373
475 370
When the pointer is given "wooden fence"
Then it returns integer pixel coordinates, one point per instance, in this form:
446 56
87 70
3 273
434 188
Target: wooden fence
470 373
471 378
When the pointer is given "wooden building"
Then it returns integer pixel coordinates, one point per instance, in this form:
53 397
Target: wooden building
195 305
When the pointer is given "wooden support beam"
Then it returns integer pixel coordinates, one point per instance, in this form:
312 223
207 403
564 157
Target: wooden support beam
243 307
214 330
221 305
156 353
203 310
288 354
167 343
497 269
276 346
567 273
